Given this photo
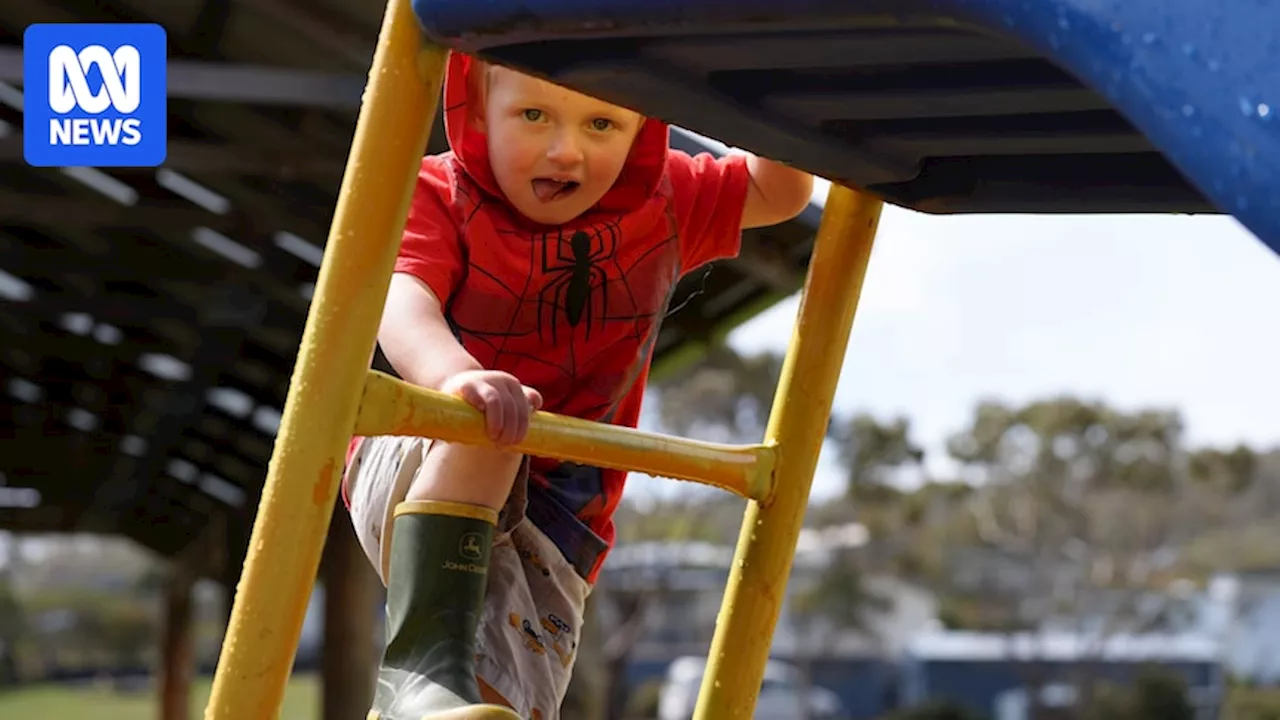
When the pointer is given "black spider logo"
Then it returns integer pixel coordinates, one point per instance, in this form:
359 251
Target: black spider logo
578 282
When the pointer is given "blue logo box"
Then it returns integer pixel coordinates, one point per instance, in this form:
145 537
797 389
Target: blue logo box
95 95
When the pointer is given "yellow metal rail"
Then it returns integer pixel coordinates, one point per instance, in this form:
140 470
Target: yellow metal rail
797 425
328 379
394 407
334 395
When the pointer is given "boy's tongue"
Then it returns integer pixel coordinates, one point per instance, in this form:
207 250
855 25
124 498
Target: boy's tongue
547 189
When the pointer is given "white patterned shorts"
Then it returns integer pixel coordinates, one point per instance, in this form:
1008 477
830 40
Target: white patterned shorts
532 619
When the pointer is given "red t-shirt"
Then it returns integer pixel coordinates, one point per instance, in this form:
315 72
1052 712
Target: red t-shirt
573 314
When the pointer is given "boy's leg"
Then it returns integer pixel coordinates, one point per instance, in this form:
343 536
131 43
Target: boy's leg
435 594
532 619
409 501
471 474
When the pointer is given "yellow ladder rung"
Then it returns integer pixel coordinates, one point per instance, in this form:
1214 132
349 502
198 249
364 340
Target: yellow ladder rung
391 406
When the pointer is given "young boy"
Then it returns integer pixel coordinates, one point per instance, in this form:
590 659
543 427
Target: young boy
537 263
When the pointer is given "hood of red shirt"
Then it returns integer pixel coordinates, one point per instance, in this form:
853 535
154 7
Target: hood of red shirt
635 184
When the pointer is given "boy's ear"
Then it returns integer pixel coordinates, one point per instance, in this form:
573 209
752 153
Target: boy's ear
476 118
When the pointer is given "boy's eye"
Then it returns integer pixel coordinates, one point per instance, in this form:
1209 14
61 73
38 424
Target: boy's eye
601 124
532 115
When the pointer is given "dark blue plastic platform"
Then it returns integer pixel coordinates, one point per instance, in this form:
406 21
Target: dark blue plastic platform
951 106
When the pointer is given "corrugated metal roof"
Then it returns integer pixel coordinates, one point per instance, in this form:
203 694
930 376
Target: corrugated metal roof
973 646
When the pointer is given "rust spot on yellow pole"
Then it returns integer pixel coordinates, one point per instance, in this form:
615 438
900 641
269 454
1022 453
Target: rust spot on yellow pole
394 407
802 407
320 410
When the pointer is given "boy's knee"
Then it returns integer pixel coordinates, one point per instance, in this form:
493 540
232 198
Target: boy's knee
475 474
491 696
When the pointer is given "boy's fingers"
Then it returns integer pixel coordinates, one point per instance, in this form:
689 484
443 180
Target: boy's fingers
534 397
492 410
516 413
522 417
472 397
513 415
506 405
517 430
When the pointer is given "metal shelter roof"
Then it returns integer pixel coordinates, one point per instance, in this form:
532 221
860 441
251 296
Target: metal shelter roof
149 318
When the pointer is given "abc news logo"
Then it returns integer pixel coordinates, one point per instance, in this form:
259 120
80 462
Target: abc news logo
121 90
95 95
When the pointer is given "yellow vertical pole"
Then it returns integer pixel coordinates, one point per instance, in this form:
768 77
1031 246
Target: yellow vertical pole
319 413
802 406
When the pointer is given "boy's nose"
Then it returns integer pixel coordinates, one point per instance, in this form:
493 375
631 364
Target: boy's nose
565 150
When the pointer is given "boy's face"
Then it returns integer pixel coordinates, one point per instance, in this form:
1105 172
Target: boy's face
554 152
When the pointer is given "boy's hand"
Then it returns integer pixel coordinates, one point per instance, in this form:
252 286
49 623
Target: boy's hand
505 402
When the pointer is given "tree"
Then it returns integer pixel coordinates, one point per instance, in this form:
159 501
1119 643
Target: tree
1078 521
1161 695
1084 506
727 396
1065 514
1230 471
1154 695
874 455
871 452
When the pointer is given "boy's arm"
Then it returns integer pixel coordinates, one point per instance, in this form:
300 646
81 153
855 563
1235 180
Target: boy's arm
415 337
419 344
775 194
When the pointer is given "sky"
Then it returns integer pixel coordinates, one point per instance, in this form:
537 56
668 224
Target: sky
1141 310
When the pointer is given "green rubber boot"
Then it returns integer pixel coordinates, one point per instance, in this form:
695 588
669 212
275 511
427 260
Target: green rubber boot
439 563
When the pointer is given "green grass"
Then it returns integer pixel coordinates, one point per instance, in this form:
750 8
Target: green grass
301 702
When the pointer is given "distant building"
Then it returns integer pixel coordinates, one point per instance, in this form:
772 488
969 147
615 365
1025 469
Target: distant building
987 672
686 583
1242 610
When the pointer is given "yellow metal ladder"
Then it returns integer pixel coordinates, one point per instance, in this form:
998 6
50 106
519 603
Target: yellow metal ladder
334 395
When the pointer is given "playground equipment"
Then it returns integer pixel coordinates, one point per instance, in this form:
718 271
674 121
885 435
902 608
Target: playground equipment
1064 106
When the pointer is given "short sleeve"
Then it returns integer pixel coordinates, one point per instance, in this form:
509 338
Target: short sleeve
709 196
431 248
